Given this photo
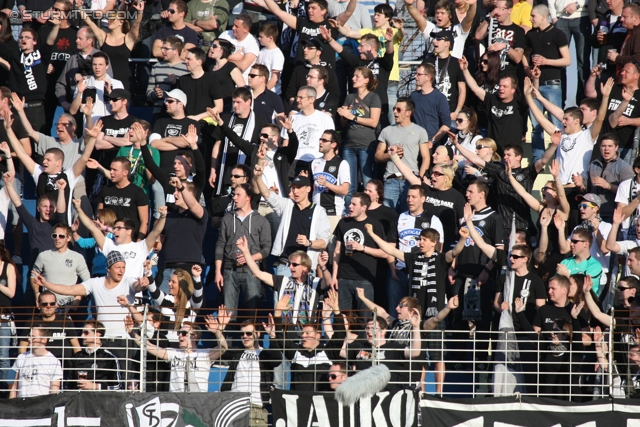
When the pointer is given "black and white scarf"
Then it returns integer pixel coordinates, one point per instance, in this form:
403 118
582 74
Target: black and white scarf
247 134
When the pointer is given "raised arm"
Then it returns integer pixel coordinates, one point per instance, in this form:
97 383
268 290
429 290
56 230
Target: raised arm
192 203
451 254
478 240
551 108
18 105
562 195
563 244
263 276
373 306
543 242
286 18
402 167
471 81
158 226
421 22
467 22
159 352
387 247
468 154
539 115
90 142
432 322
87 222
612 243
74 290
526 196
25 158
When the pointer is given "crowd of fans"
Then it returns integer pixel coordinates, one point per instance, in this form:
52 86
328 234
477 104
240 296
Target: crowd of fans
326 196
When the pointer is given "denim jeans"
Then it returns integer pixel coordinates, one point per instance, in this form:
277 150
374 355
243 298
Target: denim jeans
553 94
395 194
628 154
282 372
6 373
580 30
158 198
236 281
359 159
347 290
396 290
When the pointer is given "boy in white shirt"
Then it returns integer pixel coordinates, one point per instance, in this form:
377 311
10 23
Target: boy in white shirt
271 56
37 372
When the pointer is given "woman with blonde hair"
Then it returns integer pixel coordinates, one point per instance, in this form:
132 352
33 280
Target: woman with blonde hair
185 295
443 200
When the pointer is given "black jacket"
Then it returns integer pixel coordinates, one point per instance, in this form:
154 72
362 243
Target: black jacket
101 366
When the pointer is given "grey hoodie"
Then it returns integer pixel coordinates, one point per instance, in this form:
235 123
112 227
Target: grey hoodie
255 228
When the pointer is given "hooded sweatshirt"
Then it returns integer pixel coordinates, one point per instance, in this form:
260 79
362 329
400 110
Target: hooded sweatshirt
254 227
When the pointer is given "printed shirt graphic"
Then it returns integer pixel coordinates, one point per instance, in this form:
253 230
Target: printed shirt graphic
409 228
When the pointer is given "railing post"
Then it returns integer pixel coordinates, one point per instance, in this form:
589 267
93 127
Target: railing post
143 350
610 352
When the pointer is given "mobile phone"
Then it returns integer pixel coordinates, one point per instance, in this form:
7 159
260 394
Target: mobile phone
89 92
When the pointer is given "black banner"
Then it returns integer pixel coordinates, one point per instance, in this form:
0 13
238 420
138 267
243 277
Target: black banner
397 409
113 409
528 412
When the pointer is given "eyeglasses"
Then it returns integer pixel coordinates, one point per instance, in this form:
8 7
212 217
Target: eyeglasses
166 48
253 76
480 147
238 176
325 140
302 97
247 334
169 101
309 47
171 11
420 74
120 227
184 333
295 264
403 304
48 304
516 256
58 236
575 242
547 189
25 38
459 120
397 110
436 173
63 124
585 206
85 332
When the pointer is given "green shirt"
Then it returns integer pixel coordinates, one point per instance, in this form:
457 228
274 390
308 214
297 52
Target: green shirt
202 11
590 267
137 174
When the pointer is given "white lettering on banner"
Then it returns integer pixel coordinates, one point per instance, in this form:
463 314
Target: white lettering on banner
367 416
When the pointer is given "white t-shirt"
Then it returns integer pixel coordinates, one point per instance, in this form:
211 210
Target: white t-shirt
625 195
100 107
574 154
596 253
200 365
625 247
409 228
459 35
135 253
36 373
110 313
273 59
5 201
270 173
247 377
309 129
250 45
318 169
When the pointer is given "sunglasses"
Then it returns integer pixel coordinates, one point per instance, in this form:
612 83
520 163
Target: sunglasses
295 264
325 140
547 189
215 46
516 256
623 288
253 76
171 11
436 173
48 304
480 147
459 120
398 110
485 62
333 377
237 176
265 135
584 206
85 332
403 304
247 334
169 101
58 236
575 242
184 333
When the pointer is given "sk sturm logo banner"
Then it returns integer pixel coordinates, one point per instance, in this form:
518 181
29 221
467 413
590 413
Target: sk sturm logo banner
113 409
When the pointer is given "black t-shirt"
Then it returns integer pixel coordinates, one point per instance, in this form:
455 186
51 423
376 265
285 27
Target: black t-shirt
358 266
200 92
267 105
391 354
63 47
547 43
307 30
184 227
124 202
168 127
448 75
224 79
624 133
514 35
427 278
62 331
529 288
388 218
507 199
300 224
505 120
549 313
448 206
115 128
489 225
